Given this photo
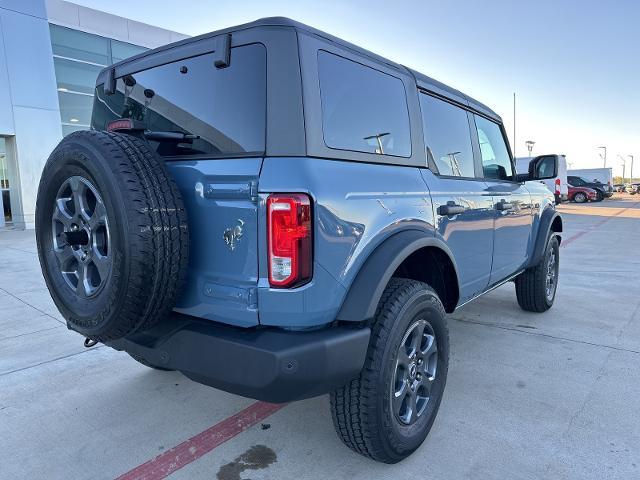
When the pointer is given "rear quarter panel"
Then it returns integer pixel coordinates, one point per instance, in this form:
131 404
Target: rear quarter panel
356 206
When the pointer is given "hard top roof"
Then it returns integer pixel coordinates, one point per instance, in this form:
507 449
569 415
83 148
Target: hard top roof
422 80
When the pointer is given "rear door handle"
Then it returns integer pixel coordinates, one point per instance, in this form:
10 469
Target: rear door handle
450 209
504 206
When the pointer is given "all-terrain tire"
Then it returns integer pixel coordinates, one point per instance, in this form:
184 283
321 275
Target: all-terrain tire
363 412
132 280
531 285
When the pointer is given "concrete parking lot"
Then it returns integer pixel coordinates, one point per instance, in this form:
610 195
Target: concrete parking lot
552 395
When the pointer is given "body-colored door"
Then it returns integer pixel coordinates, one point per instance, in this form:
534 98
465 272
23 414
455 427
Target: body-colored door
512 207
462 204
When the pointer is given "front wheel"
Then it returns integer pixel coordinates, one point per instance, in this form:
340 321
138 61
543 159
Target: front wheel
536 287
599 196
387 411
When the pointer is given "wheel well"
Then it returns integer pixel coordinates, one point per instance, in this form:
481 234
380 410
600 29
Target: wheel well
556 226
433 267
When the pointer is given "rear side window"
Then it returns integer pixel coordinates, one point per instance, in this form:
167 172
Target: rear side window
447 137
223 109
363 109
496 163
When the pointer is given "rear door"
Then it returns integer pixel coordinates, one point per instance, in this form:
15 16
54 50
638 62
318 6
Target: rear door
463 206
511 207
222 112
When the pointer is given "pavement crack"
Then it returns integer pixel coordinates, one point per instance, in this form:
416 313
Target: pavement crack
547 335
29 305
29 333
9 372
579 411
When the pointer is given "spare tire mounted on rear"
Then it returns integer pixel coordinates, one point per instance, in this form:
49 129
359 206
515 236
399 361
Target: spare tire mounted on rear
111 231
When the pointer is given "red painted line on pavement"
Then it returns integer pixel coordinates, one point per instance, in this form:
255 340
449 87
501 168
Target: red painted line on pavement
190 450
579 234
573 237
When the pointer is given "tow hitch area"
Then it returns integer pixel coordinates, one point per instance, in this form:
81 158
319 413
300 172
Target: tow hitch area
267 364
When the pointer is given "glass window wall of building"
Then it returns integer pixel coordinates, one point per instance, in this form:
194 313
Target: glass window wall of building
78 58
5 197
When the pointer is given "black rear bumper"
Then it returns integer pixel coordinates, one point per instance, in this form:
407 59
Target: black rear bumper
267 364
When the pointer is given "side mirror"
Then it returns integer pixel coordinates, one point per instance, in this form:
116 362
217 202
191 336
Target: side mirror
543 168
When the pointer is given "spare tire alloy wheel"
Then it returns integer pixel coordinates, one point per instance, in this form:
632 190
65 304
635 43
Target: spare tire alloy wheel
80 231
111 232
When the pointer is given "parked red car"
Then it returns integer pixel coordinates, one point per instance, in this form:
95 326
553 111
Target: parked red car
582 194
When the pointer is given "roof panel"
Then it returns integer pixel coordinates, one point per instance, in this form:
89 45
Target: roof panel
422 80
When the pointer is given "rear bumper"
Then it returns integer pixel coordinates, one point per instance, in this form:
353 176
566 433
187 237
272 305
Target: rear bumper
267 364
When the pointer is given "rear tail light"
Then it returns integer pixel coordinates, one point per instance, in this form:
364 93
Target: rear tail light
557 186
124 124
290 239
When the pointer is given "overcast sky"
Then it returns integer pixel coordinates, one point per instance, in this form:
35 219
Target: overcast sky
574 65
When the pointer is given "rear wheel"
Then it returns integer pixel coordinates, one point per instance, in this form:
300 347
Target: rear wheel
387 412
536 287
579 197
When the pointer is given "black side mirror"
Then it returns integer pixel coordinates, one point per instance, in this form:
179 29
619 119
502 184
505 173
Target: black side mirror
536 164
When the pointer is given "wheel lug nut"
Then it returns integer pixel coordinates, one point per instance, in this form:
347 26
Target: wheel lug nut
419 361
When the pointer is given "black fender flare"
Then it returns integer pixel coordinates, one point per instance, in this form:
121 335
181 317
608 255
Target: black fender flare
545 232
366 289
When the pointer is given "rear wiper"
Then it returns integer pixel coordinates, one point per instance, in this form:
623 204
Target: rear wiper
177 137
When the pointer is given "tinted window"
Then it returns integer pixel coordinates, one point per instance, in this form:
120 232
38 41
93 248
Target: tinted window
224 109
576 181
496 162
447 137
363 109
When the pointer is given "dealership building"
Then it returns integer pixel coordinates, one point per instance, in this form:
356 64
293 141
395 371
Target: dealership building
50 54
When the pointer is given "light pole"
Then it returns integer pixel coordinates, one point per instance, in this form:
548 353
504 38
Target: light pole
631 172
530 144
605 156
624 167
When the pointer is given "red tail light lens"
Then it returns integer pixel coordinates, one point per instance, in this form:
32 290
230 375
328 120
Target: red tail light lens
290 239
557 186
122 124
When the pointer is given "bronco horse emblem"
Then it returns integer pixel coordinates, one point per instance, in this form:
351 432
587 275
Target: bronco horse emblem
233 235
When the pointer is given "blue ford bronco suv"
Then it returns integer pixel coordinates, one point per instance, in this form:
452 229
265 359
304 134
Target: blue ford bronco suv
280 214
